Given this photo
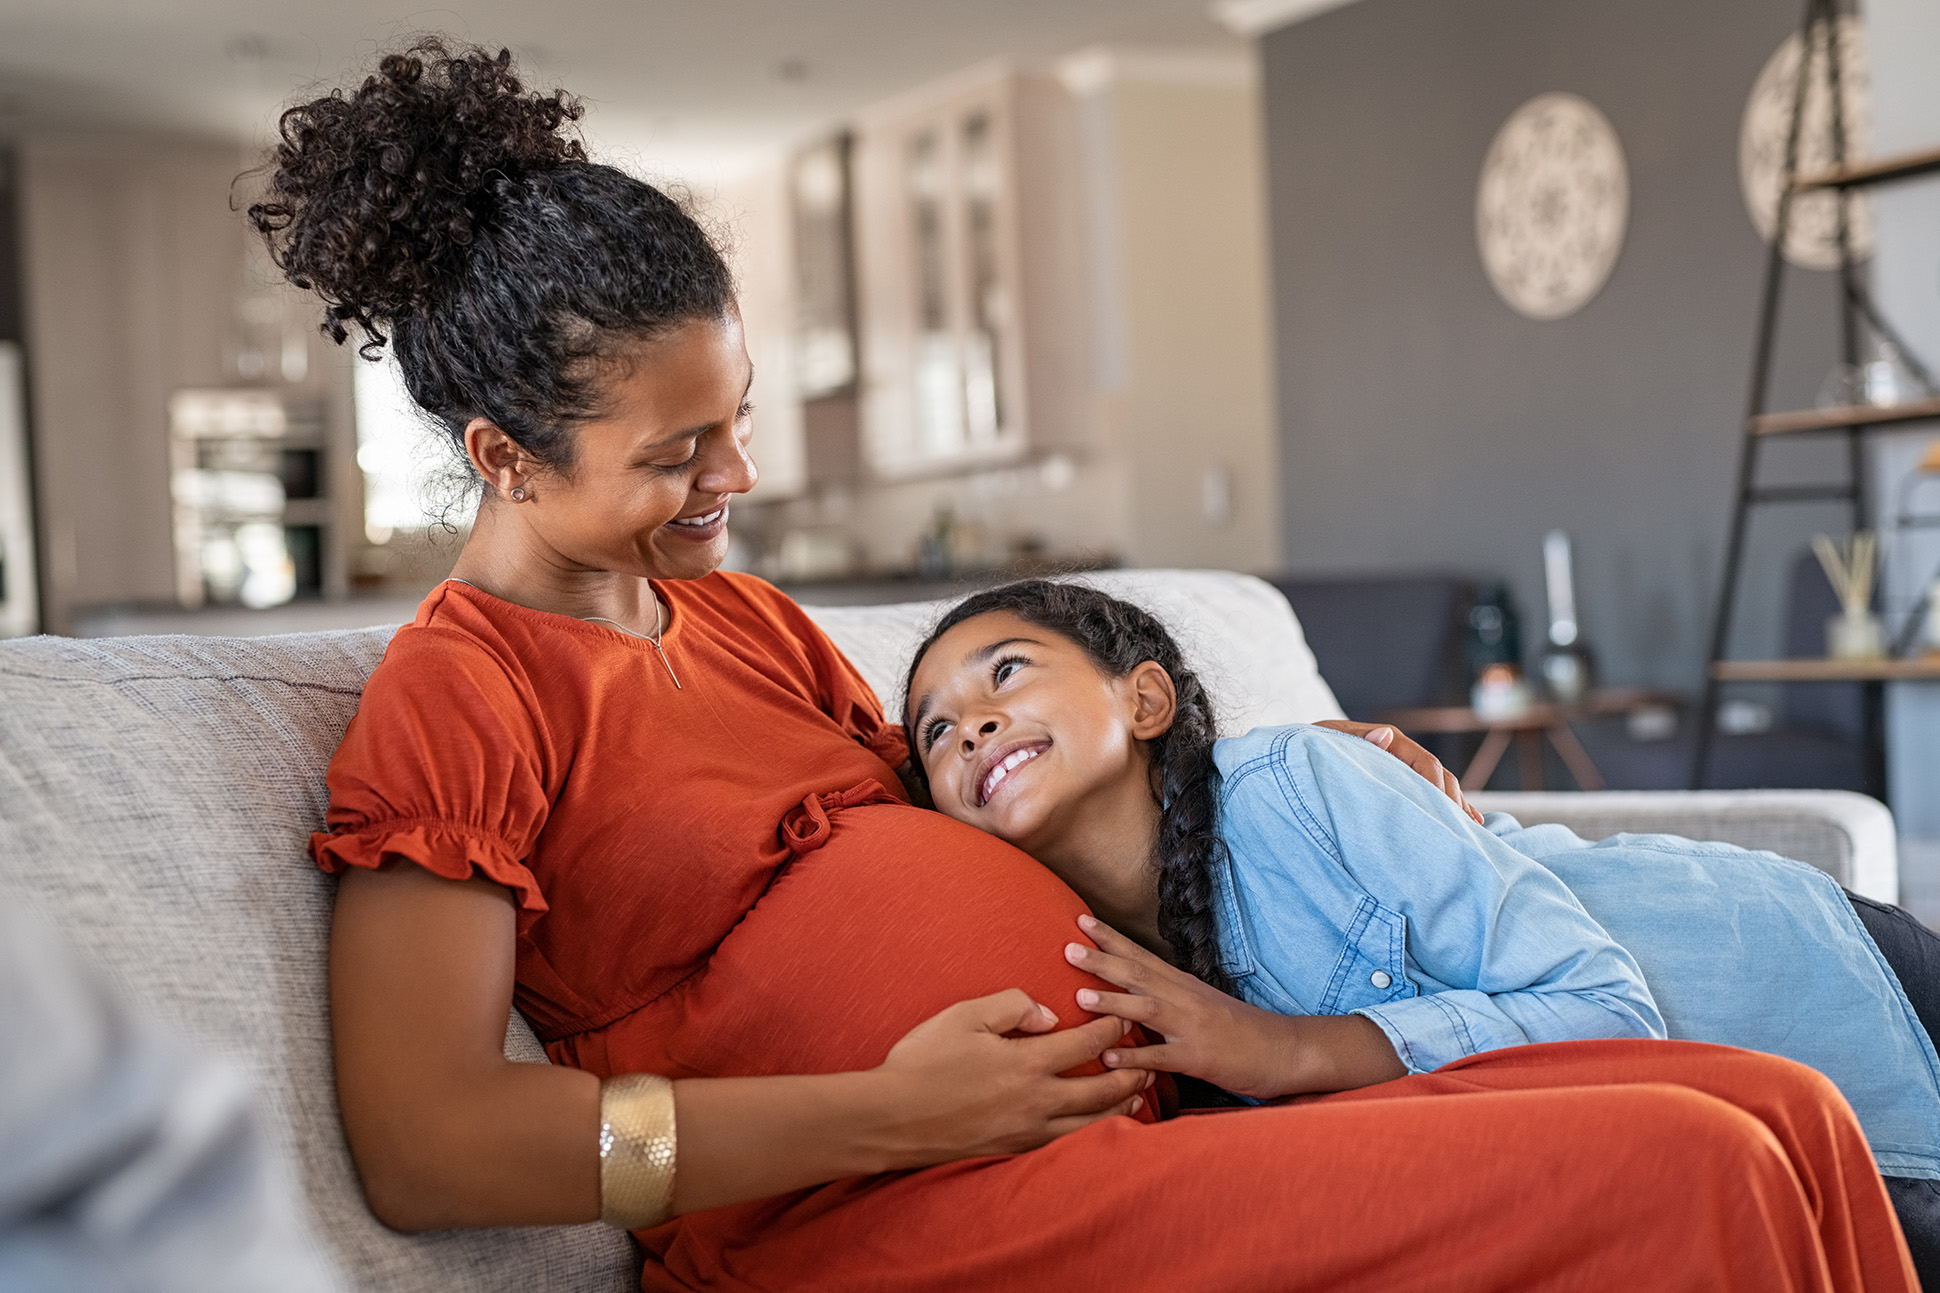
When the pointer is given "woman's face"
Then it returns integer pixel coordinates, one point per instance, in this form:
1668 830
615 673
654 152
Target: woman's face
648 490
1021 734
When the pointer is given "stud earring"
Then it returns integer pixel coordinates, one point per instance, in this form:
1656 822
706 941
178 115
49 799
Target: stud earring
518 493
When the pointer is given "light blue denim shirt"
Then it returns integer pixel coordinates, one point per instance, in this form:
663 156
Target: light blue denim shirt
1354 886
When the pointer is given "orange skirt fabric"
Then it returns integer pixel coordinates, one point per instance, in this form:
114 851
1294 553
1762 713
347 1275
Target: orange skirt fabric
1605 1165
1619 1165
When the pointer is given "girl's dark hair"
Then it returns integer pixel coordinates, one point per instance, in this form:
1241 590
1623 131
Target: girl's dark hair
1119 637
444 209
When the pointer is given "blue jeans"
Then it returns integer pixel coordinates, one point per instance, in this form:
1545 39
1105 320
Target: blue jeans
1913 951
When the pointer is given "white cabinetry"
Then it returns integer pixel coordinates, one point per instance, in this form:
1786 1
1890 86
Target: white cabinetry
964 196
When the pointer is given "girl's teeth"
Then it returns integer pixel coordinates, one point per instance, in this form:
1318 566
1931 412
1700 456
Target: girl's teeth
1001 772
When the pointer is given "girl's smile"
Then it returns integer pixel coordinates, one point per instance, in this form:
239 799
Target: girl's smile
995 703
999 765
1020 734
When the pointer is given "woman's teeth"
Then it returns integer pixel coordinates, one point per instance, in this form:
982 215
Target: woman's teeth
707 518
997 775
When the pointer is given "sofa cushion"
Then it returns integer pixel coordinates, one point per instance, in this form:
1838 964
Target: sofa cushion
1848 836
156 797
1237 633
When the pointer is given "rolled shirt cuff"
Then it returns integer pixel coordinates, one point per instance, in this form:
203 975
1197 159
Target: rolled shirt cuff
1427 1033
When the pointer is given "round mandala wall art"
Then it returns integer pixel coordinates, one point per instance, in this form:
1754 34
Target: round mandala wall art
1551 206
1812 228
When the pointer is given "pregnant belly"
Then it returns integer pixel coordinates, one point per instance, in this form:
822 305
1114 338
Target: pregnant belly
900 913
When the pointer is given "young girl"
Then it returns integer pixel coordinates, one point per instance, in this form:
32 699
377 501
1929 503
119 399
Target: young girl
1362 925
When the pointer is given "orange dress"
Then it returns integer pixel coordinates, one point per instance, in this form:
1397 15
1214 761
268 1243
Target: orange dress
724 878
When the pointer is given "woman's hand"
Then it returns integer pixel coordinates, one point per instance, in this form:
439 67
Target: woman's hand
1391 739
1221 1039
448 1132
966 1087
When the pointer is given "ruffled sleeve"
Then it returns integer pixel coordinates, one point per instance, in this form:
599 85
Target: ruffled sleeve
445 766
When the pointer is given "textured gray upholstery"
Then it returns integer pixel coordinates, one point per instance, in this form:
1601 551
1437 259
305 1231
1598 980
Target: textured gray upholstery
1846 835
156 795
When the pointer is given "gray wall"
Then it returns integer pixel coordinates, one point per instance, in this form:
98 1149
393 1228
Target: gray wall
1425 425
1906 116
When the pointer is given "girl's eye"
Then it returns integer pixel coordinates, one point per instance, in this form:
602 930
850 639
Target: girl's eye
747 410
1003 669
933 732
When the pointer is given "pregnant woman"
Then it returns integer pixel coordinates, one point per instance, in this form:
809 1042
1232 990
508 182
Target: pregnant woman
805 1032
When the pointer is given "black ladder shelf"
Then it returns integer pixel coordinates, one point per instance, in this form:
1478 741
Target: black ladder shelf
1852 422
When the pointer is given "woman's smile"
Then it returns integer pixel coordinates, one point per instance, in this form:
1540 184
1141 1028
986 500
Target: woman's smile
703 527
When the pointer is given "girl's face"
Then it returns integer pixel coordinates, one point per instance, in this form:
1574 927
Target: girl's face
1021 735
648 490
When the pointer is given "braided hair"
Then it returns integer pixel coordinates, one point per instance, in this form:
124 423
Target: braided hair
442 208
1118 637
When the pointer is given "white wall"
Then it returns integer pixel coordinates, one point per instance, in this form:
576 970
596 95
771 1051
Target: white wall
133 265
1181 301
751 212
1148 354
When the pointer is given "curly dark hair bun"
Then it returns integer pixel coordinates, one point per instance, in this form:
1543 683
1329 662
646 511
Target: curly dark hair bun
444 209
375 192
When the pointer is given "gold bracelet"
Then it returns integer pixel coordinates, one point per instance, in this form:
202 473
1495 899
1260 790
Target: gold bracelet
636 1150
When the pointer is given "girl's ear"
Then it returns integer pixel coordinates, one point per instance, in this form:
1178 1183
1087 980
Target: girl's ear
1155 702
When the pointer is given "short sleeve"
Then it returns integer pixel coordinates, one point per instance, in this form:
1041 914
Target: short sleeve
443 765
853 703
842 692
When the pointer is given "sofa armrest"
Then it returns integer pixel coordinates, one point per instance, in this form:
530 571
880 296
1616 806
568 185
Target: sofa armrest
1846 835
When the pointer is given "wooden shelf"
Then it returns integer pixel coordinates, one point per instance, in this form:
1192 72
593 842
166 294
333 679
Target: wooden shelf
1838 419
1925 668
1880 170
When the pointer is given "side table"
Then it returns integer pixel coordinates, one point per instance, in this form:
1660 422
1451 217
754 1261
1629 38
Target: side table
1540 722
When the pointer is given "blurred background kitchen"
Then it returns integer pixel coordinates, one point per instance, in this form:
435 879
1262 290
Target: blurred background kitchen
1440 313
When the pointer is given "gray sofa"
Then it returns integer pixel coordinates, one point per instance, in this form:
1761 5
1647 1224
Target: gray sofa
156 795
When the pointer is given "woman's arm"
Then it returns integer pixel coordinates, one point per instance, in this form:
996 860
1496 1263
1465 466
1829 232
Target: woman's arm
447 1132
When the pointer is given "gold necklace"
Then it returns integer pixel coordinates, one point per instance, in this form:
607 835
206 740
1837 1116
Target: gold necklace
651 639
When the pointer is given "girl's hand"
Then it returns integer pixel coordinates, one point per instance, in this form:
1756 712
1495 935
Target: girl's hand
1221 1039
964 1088
1424 764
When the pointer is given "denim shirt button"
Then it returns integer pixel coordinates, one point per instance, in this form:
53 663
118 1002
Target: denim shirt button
1379 979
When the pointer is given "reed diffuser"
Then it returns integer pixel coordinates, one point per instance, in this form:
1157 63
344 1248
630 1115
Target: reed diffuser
1855 632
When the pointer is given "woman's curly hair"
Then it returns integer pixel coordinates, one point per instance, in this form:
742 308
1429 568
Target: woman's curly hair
1118 637
442 208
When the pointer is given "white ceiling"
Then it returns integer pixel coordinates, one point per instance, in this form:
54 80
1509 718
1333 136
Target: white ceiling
669 82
